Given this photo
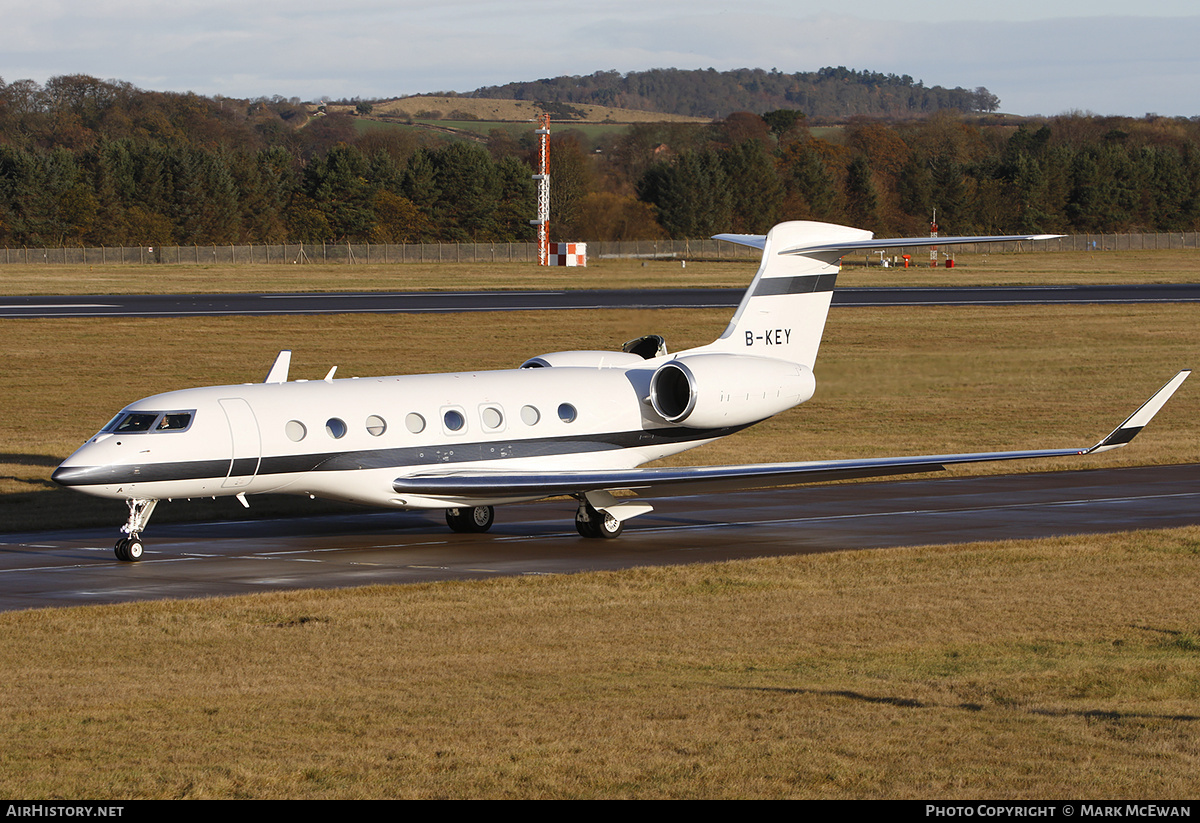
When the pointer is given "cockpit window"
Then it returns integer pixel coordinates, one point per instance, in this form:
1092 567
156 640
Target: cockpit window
137 422
174 421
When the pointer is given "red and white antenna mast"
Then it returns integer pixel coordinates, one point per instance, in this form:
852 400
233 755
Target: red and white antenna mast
933 232
543 199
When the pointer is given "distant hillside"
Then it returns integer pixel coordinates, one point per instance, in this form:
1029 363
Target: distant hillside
437 107
830 93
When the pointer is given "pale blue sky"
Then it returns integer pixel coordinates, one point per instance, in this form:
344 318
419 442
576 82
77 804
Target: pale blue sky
1038 57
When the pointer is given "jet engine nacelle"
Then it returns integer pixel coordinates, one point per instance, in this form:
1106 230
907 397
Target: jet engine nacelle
713 390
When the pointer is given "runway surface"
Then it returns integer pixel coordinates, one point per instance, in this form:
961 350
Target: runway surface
192 305
71 568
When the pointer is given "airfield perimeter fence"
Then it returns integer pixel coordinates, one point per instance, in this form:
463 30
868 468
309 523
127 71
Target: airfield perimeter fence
396 253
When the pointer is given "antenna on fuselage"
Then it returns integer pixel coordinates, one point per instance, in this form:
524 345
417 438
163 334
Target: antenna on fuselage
279 371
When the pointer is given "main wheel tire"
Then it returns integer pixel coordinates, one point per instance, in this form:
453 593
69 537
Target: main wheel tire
481 518
609 526
475 519
587 527
593 523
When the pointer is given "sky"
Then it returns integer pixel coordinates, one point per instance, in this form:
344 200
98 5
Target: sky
1049 57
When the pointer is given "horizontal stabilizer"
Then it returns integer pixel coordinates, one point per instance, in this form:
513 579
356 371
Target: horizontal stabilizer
754 241
905 242
759 241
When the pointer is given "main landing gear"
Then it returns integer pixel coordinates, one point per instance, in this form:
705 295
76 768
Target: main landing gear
590 522
131 548
470 519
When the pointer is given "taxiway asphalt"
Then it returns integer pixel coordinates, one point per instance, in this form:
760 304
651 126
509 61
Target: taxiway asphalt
205 559
77 567
195 305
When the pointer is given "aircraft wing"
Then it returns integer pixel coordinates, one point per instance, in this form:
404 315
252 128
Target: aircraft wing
483 483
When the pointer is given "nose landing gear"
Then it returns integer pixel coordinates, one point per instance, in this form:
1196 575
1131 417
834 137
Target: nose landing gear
131 548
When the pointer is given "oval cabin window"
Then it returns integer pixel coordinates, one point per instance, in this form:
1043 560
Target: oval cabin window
492 418
454 420
415 423
376 425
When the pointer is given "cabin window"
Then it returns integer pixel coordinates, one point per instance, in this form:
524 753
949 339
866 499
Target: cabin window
376 425
567 413
454 420
492 417
530 415
335 428
295 430
415 423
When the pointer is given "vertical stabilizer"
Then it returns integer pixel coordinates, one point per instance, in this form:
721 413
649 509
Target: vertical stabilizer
782 315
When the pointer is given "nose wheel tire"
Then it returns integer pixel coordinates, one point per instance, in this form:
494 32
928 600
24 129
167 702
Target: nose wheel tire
129 549
474 519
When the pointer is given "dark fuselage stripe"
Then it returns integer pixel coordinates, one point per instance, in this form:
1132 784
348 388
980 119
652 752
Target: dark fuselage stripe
801 284
399 457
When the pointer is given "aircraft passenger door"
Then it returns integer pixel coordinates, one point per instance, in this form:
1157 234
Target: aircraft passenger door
247 443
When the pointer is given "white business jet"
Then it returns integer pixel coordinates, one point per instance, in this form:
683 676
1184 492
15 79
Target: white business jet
568 423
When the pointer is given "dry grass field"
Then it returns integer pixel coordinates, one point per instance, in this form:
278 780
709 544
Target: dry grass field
1063 668
520 111
1177 266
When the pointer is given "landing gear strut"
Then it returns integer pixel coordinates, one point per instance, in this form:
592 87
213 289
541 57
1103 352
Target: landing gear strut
591 522
131 548
470 519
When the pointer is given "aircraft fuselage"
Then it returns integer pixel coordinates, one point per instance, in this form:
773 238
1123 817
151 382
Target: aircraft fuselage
349 439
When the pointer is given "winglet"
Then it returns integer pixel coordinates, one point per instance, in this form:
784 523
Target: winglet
1125 432
279 371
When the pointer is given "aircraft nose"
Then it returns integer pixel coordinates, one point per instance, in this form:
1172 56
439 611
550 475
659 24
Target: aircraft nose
81 469
66 475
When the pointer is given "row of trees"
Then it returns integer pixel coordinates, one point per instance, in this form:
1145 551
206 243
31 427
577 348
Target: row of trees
126 192
1072 174
137 168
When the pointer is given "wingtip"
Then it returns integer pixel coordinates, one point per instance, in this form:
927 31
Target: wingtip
1137 421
